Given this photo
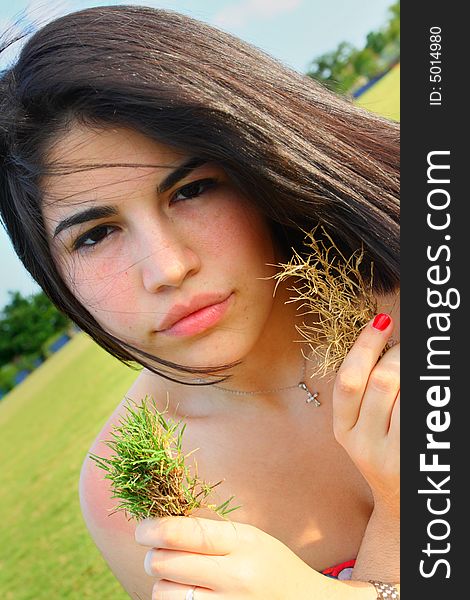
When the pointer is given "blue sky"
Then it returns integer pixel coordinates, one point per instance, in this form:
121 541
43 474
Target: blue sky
294 31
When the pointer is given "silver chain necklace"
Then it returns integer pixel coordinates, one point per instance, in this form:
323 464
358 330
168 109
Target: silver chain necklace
302 385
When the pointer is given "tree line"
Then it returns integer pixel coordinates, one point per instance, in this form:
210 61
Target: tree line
27 324
347 68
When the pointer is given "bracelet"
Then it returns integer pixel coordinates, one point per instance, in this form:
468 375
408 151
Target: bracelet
385 591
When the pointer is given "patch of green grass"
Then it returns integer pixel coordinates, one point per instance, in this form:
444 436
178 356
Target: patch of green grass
384 96
47 424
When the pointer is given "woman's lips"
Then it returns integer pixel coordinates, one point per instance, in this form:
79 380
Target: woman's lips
199 320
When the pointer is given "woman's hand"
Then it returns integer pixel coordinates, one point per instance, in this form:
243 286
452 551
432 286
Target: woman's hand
224 559
366 409
366 405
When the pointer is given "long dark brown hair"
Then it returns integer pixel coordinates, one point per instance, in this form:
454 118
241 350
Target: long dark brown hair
303 155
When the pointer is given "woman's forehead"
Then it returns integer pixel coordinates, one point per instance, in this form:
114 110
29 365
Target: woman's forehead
81 144
84 158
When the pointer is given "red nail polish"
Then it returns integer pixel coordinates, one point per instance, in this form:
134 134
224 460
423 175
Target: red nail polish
381 322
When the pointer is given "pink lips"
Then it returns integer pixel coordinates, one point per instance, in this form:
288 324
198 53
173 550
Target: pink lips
199 320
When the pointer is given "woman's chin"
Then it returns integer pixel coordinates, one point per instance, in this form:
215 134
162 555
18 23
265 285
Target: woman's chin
208 358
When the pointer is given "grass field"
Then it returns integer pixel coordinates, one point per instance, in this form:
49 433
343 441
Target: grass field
46 427
384 96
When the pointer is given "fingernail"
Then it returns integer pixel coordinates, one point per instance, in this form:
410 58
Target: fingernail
381 321
148 563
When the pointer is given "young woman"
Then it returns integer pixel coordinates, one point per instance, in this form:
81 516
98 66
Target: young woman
154 172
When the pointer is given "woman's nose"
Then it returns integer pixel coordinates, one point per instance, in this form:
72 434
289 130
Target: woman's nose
166 262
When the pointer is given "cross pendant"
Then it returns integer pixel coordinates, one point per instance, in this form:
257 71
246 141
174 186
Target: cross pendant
310 397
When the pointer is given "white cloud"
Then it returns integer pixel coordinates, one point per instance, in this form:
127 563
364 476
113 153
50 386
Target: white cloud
240 13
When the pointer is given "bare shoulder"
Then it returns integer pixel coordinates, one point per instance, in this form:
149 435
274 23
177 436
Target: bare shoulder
113 534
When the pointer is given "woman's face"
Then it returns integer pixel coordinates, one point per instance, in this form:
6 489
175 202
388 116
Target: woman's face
142 246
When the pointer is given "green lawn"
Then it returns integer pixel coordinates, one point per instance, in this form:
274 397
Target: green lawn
384 96
46 426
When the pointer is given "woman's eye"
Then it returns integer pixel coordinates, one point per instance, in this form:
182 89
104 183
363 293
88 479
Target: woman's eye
193 189
93 237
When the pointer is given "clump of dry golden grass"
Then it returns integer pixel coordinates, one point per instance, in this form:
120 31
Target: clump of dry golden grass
147 468
334 294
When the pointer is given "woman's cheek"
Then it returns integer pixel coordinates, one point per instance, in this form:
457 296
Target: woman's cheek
235 229
104 286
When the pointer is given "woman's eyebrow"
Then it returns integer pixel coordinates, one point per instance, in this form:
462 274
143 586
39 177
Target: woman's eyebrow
90 214
180 172
101 212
